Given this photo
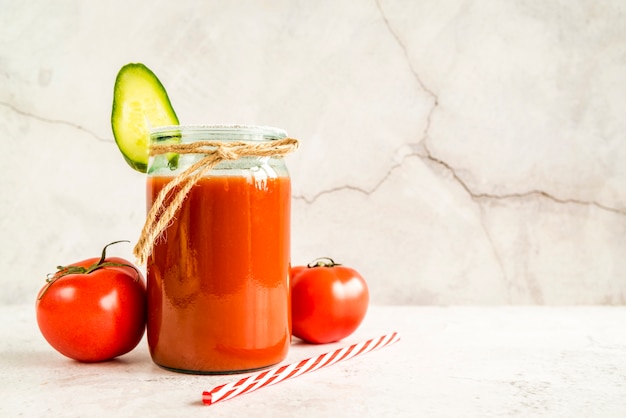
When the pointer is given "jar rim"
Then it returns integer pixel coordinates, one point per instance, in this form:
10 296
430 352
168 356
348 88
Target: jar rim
267 132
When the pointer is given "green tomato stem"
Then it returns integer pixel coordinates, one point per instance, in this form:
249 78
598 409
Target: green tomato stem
101 263
322 262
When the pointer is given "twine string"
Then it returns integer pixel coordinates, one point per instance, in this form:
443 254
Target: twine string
171 197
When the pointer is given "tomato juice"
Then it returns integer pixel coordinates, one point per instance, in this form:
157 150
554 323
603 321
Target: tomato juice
218 276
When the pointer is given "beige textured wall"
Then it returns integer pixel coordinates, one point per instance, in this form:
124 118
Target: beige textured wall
454 152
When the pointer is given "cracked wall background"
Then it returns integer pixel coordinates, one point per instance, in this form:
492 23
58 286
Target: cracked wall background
454 152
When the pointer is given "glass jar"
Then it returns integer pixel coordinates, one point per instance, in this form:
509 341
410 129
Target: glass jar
218 276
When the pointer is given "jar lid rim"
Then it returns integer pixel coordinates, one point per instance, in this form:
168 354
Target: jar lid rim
222 129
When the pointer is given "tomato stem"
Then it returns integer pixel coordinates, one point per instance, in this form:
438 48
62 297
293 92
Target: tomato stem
322 262
102 263
104 250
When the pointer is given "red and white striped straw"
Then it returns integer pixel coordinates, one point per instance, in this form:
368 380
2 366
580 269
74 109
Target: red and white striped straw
289 371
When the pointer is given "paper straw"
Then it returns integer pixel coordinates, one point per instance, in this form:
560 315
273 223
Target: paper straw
289 371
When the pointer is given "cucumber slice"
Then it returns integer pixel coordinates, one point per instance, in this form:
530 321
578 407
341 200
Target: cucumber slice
140 102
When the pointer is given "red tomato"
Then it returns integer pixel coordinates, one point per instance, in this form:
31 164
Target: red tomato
328 301
93 310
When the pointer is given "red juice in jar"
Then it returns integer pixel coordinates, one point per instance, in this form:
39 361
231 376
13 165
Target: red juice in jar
218 276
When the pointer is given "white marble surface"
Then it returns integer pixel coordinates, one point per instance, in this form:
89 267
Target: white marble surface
454 152
450 362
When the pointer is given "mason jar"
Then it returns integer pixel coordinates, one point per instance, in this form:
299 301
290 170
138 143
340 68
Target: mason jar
218 275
